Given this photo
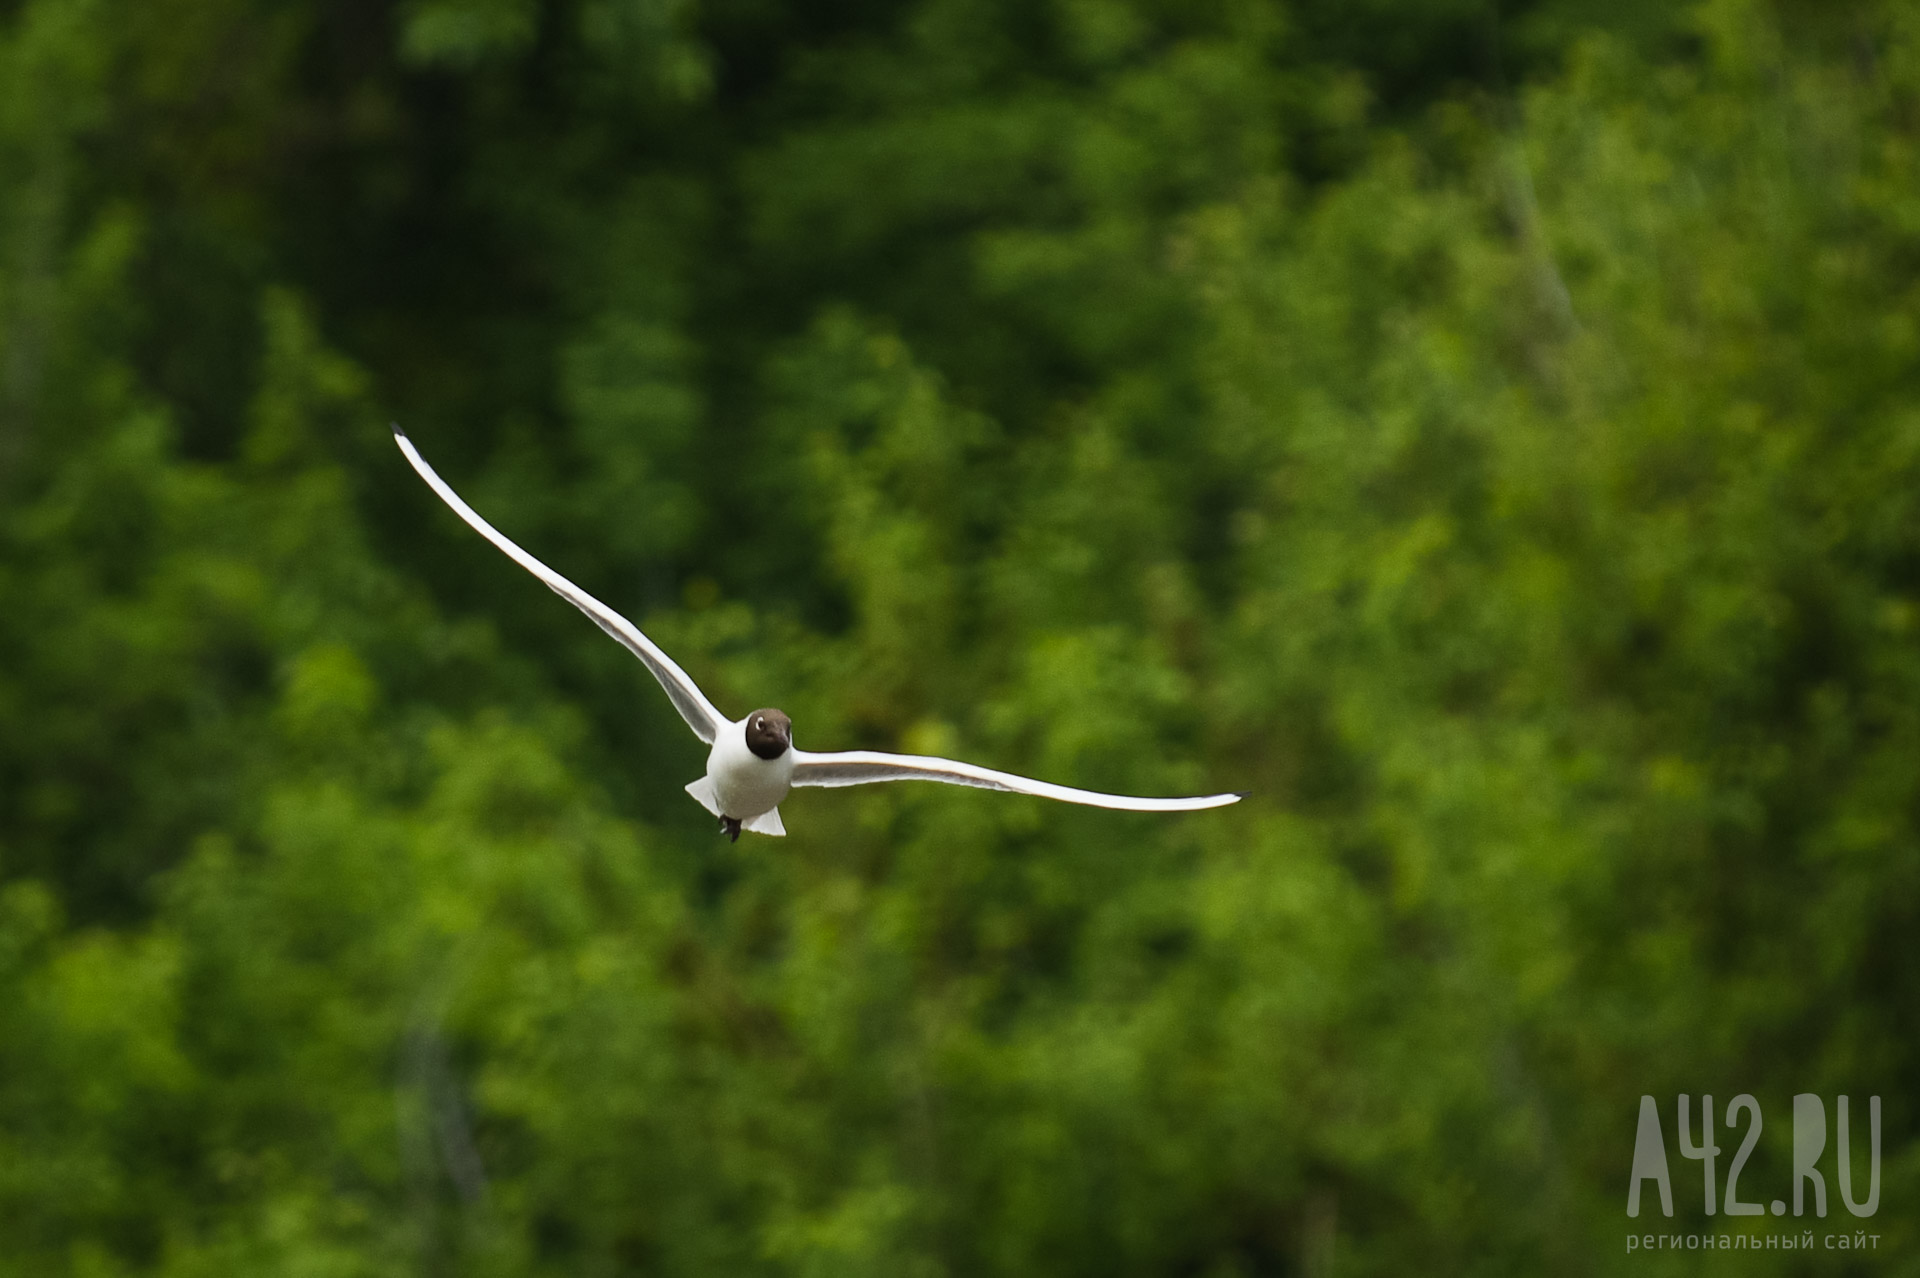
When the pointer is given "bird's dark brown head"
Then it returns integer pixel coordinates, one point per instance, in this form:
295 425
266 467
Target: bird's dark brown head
769 733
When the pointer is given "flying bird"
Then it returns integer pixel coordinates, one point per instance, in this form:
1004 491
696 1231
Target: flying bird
753 763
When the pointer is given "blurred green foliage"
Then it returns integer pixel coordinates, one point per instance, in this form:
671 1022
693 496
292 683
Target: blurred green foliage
1491 438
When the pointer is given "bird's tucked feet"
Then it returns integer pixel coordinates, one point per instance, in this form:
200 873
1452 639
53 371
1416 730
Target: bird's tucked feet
730 826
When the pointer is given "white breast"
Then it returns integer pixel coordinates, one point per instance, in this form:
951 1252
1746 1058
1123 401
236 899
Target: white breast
746 784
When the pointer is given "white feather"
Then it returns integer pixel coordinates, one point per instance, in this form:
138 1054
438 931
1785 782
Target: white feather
767 822
864 767
703 791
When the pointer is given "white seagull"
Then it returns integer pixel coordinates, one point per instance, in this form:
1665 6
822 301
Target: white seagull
753 762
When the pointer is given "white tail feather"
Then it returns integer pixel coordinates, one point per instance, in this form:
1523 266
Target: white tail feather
703 791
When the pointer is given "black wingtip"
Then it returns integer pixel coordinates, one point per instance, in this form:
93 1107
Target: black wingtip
1242 794
397 432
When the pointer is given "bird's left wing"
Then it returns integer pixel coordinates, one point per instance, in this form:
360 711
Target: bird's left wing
685 694
861 767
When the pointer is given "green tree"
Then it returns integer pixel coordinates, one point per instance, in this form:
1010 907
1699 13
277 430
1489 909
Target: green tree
1488 437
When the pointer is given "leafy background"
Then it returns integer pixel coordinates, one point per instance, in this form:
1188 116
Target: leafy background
1489 435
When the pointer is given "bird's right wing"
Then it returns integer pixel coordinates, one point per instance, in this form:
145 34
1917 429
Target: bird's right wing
686 696
861 767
